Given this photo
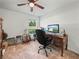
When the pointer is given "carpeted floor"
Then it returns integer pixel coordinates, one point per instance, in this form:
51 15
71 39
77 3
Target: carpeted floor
30 51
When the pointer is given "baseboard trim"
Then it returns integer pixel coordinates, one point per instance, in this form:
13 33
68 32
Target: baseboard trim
73 52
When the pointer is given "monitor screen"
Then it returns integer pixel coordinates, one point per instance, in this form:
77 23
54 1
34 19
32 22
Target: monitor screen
53 28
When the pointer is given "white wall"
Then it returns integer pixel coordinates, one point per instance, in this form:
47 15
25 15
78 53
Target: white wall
68 18
15 22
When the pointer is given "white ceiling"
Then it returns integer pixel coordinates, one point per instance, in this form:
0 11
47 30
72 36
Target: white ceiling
49 5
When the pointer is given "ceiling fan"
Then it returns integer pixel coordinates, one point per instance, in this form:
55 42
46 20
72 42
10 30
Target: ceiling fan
31 3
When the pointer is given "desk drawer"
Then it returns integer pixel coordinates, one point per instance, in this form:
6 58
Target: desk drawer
57 42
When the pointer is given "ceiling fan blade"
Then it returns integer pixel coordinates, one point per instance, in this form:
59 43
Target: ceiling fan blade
31 9
36 0
22 4
32 1
39 6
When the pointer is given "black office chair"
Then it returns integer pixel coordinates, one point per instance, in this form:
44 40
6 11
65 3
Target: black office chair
43 40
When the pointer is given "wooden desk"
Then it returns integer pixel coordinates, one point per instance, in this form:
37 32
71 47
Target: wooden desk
60 41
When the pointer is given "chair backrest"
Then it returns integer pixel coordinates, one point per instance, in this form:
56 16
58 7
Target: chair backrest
40 36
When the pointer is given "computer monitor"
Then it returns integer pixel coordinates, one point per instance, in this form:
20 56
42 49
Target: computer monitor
54 28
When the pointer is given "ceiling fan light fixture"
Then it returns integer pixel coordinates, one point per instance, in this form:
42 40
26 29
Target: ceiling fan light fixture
31 4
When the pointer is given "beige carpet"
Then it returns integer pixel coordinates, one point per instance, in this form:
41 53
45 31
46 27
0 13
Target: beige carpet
29 51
